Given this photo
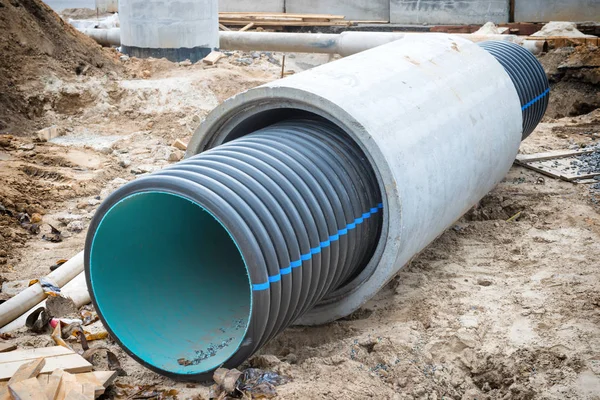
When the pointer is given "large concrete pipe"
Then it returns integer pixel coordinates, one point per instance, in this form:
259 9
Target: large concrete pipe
177 30
300 199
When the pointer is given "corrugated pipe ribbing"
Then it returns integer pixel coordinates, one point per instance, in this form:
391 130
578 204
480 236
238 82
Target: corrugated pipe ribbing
243 239
528 77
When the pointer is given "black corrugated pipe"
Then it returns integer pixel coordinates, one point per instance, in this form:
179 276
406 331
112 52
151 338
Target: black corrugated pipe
243 239
529 79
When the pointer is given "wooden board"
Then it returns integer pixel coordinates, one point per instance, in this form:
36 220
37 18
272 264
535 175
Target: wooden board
560 168
235 15
526 158
213 57
73 363
28 389
250 25
284 23
105 378
4 347
32 354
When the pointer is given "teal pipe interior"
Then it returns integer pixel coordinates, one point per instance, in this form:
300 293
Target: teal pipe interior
170 282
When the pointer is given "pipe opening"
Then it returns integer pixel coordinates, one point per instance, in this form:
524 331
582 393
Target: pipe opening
170 282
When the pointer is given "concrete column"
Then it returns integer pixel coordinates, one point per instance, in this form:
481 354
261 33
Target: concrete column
174 29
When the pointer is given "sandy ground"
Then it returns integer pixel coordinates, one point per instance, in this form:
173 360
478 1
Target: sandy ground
491 310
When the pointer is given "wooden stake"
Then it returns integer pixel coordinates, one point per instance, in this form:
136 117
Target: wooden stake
244 29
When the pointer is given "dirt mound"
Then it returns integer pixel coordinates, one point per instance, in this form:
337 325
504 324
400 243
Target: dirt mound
574 74
36 43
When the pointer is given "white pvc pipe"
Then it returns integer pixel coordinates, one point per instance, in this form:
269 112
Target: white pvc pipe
34 294
105 37
76 290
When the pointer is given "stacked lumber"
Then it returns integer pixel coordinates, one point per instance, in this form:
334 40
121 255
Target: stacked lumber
50 373
280 19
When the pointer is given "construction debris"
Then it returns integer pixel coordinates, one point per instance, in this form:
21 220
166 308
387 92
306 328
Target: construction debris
44 378
560 29
213 57
54 357
179 144
281 19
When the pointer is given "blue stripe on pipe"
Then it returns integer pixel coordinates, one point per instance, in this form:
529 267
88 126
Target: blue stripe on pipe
538 98
260 286
316 250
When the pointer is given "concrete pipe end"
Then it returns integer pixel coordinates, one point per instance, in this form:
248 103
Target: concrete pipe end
266 105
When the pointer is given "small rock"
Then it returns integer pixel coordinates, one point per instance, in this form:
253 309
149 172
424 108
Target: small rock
49 133
124 162
146 74
67 218
255 55
267 361
76 226
185 63
484 282
124 58
15 287
144 169
291 358
244 61
82 205
469 321
176 155
60 307
36 218
150 125
27 146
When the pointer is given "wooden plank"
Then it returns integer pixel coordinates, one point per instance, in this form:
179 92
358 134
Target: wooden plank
32 354
548 172
28 389
75 395
92 381
224 28
229 14
68 383
89 390
5 347
27 370
69 362
585 181
105 378
280 23
213 57
250 25
266 19
54 382
528 158
572 177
